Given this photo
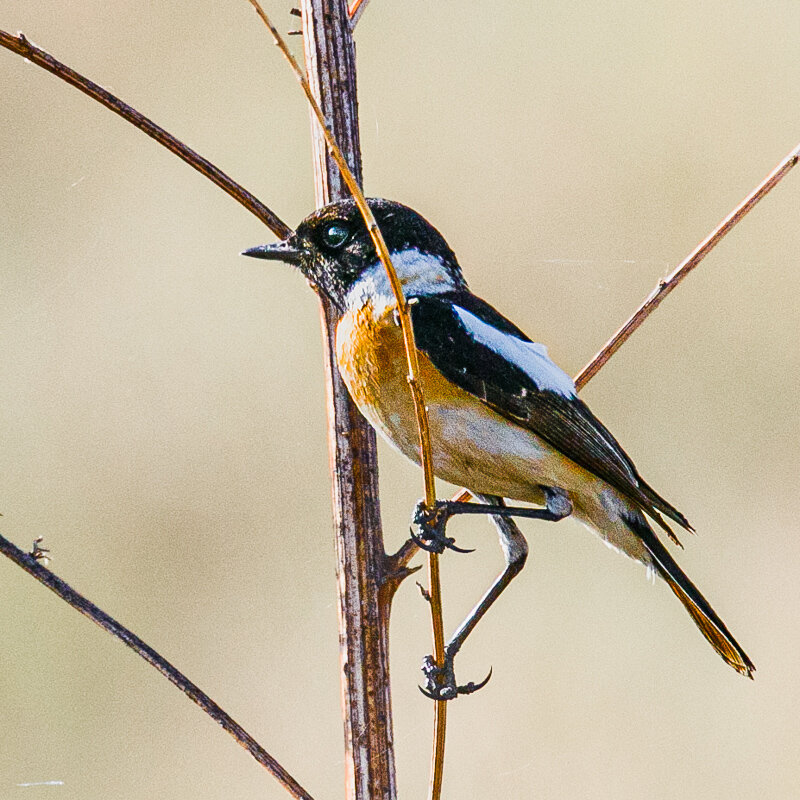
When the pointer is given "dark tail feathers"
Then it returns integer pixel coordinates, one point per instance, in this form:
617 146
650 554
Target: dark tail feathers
706 619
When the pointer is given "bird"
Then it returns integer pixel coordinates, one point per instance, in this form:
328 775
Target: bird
505 421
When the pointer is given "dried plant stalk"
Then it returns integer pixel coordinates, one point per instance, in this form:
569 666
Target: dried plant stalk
33 567
24 47
685 267
404 315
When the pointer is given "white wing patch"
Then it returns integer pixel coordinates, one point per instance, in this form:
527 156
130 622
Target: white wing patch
530 357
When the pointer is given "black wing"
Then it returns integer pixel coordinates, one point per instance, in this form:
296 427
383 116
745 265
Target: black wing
488 356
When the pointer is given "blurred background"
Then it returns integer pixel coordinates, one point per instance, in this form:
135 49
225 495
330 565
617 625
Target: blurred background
162 411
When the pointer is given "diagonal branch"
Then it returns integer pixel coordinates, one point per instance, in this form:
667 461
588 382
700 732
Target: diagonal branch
354 10
22 46
33 567
685 267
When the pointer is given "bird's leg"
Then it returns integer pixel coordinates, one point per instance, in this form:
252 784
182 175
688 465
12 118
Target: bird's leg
440 681
432 521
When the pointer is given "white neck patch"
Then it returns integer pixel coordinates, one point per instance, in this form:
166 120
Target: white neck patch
419 273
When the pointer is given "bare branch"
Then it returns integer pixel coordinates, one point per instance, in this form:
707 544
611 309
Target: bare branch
33 567
426 459
355 10
25 48
685 267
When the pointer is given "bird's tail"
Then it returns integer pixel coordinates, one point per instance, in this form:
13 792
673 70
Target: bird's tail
706 619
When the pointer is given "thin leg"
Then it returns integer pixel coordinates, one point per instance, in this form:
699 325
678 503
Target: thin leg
440 681
431 522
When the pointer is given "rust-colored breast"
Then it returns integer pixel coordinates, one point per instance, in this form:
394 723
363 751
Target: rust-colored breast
373 364
372 360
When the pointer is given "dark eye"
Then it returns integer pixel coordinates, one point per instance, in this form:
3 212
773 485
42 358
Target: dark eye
335 235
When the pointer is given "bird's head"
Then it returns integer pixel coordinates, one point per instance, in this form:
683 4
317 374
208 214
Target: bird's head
333 249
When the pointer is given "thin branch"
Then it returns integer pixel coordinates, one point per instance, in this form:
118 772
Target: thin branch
440 706
426 458
25 48
355 10
141 648
685 267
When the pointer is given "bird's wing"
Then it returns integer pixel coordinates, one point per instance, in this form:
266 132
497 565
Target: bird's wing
478 349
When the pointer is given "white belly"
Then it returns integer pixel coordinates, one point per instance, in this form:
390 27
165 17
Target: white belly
489 455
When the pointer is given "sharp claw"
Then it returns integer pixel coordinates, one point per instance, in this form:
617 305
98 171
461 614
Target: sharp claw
432 538
451 546
472 687
430 547
440 693
440 681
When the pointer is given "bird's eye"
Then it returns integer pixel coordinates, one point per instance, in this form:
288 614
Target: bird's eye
335 235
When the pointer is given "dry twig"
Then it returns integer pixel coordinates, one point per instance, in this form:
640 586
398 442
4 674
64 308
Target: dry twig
364 583
24 47
33 566
685 267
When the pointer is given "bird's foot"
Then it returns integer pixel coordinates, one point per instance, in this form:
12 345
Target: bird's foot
440 682
429 524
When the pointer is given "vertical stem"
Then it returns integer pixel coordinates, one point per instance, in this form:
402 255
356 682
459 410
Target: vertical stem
363 608
440 708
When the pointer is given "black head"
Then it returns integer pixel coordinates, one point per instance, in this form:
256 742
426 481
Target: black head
332 246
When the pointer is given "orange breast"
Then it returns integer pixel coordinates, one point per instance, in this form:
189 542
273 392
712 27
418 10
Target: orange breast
372 359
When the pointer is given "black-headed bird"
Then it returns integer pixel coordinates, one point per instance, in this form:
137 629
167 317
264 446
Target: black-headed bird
505 421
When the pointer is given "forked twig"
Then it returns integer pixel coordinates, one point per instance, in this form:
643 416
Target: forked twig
24 47
32 566
354 10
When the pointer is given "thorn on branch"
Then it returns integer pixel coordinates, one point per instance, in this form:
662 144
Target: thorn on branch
426 595
41 554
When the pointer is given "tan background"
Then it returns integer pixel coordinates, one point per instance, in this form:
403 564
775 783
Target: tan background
163 419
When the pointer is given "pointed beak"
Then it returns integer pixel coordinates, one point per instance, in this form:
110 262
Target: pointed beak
280 251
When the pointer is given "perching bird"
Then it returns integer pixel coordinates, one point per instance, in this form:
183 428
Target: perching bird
505 421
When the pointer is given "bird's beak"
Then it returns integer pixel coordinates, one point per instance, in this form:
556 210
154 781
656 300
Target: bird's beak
286 250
